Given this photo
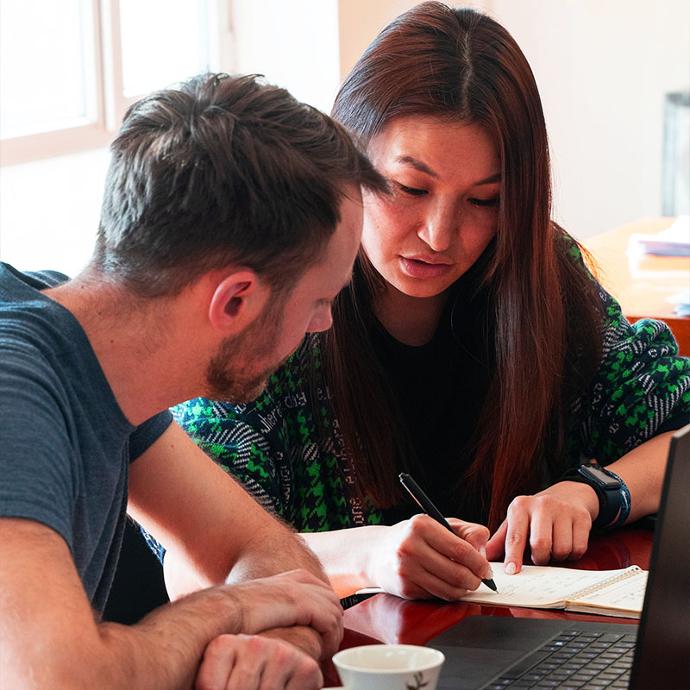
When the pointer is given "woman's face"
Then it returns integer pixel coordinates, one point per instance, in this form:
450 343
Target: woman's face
445 180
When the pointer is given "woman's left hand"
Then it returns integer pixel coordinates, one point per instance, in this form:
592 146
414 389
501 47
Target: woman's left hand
555 522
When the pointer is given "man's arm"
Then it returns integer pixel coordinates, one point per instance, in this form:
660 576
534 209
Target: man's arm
49 637
204 517
212 529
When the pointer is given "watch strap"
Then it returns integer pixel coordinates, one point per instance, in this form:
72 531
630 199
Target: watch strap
614 503
625 502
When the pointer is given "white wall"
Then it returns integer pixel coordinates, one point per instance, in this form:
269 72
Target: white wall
602 68
361 20
49 211
293 42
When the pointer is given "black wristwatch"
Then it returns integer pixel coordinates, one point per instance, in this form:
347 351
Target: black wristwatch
613 495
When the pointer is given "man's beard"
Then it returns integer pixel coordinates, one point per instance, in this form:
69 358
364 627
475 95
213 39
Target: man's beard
229 374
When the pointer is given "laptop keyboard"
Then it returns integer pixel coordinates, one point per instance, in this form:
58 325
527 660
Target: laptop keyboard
577 660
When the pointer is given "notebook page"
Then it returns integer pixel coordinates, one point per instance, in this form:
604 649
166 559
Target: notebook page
626 595
537 586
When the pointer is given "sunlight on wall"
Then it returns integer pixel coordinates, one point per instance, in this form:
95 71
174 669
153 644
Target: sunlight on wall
602 69
49 211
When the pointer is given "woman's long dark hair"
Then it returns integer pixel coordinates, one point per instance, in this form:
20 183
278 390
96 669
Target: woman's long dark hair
460 65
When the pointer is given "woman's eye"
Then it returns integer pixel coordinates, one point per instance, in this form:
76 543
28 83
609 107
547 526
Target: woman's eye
412 191
490 203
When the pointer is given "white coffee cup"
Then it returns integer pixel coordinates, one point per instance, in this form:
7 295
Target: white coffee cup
389 667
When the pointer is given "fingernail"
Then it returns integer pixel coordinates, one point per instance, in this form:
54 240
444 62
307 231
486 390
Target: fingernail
510 568
489 573
482 551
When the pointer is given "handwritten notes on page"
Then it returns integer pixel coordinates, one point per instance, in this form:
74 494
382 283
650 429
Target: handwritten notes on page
606 592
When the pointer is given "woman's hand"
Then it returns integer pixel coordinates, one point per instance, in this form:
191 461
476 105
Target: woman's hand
250 662
555 522
419 558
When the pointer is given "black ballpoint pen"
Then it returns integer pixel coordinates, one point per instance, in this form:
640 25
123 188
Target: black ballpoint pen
424 502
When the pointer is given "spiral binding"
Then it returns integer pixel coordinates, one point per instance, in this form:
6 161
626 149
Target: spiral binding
597 587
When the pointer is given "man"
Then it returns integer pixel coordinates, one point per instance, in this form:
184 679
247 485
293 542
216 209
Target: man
230 221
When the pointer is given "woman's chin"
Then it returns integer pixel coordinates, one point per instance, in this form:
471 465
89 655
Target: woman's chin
421 289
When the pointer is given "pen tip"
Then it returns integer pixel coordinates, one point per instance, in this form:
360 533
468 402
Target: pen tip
491 585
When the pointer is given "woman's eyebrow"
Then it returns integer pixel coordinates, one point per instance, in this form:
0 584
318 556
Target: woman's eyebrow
417 164
496 177
423 167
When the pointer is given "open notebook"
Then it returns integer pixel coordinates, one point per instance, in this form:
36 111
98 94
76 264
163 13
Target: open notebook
618 593
606 592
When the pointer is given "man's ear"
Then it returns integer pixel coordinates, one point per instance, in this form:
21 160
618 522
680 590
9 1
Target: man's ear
238 298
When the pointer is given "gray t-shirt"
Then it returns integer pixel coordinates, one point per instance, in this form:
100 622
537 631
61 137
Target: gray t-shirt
65 445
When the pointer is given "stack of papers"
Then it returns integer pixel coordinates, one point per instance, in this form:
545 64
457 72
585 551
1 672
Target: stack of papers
673 241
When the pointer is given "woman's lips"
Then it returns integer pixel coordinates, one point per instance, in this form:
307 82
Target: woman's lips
417 268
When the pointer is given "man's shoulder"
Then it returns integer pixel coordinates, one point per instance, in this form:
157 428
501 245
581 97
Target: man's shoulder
46 359
25 313
42 280
31 317
16 282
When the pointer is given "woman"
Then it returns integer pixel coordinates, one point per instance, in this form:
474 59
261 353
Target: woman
473 348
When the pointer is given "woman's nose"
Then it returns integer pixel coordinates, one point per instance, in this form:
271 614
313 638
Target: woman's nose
438 229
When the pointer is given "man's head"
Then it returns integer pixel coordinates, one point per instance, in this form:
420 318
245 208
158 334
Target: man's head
223 171
244 359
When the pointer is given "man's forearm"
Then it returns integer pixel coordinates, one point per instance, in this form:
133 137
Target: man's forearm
214 528
271 555
72 652
273 551
268 554
164 649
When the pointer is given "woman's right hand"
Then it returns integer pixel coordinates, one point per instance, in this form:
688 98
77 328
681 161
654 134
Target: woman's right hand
292 598
419 558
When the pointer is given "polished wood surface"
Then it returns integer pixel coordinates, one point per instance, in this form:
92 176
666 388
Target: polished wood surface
389 619
643 284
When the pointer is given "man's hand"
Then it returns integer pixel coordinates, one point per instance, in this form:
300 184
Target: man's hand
555 522
419 558
293 598
250 662
305 639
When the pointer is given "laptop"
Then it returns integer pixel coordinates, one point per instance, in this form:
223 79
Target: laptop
504 652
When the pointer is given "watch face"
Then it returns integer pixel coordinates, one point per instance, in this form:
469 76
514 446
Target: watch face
602 478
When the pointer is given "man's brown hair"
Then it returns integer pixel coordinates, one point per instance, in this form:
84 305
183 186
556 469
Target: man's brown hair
222 170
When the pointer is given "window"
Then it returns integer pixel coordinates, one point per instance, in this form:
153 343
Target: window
70 69
68 72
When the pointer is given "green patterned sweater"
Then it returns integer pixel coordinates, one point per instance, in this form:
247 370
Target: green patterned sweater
273 446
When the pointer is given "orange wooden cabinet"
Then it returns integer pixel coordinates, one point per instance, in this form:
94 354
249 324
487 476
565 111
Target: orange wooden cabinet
643 284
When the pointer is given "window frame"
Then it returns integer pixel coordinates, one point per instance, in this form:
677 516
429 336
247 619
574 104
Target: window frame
110 101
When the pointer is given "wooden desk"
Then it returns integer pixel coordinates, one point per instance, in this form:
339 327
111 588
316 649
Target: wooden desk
642 284
385 618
